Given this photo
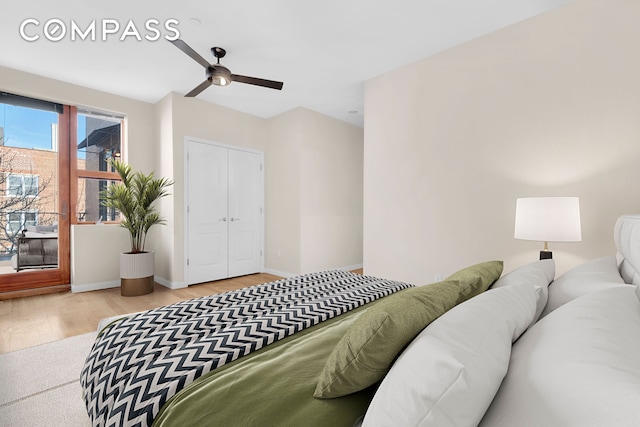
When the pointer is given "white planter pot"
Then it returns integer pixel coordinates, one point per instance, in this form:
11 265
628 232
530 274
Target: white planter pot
136 273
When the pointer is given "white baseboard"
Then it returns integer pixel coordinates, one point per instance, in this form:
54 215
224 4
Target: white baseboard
278 272
86 287
351 267
285 274
169 284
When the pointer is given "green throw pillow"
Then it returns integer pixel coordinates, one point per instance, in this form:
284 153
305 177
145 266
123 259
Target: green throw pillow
365 353
476 279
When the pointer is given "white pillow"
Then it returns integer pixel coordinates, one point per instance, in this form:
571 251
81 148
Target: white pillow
578 366
626 235
450 372
591 276
539 274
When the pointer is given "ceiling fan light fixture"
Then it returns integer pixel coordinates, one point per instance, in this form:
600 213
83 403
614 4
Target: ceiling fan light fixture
220 76
219 81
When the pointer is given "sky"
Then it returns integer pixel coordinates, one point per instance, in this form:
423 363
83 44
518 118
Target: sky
30 128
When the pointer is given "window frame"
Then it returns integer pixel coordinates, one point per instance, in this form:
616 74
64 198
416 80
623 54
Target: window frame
78 174
33 282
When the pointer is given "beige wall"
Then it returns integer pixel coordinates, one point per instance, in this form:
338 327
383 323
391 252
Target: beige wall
87 261
329 153
314 193
141 123
96 266
304 151
331 161
164 236
547 107
282 194
195 118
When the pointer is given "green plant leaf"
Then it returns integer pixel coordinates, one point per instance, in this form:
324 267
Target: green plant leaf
134 198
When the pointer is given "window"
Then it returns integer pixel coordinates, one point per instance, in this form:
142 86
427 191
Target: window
54 162
99 141
89 207
22 185
14 187
18 220
29 167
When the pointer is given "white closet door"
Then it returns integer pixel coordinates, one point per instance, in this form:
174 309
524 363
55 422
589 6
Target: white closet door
207 218
245 212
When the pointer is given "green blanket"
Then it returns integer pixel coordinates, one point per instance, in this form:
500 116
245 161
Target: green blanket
271 387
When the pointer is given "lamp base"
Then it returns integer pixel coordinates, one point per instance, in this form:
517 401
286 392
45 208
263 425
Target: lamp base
546 255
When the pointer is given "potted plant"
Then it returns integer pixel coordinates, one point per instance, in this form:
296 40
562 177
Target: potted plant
134 197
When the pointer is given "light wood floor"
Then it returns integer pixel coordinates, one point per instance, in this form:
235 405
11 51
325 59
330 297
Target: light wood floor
29 321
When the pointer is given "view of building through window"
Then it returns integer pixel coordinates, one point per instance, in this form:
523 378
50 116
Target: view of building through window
99 140
29 176
28 172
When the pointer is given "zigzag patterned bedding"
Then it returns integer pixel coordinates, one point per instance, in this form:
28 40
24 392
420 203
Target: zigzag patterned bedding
139 363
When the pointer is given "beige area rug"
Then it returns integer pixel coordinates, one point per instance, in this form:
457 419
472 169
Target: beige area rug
40 386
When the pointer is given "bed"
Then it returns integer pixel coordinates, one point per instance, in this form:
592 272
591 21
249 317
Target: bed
340 349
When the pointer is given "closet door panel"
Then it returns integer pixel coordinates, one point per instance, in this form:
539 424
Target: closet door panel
207 213
245 212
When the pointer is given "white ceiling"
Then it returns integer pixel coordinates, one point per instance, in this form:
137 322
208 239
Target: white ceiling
323 51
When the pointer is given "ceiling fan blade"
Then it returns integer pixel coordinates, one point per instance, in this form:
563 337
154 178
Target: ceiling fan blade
192 53
256 81
202 86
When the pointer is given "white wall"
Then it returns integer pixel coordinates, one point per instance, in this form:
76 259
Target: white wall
546 107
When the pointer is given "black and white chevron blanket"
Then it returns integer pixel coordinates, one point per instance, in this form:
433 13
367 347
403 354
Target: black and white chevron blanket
138 363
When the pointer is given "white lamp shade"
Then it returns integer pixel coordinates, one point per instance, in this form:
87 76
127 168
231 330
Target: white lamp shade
548 219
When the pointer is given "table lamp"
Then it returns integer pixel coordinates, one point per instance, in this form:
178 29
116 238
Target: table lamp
548 219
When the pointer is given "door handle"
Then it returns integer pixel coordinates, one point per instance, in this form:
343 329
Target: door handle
65 210
235 219
224 219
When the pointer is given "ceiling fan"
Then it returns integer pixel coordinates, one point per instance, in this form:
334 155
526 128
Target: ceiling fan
217 74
